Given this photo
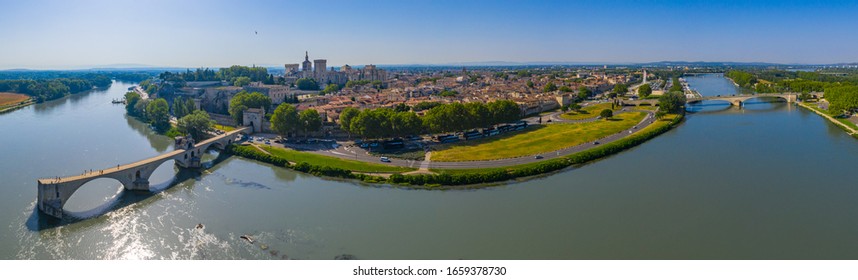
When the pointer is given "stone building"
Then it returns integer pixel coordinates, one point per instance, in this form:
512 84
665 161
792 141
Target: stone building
318 71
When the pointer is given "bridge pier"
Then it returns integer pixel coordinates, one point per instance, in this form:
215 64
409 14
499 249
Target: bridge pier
141 184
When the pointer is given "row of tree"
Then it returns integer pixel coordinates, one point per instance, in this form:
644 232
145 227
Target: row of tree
387 122
237 75
742 78
842 98
380 122
255 73
286 119
183 106
42 90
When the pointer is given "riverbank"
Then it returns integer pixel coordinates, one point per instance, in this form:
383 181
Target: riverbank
850 130
16 106
469 178
13 101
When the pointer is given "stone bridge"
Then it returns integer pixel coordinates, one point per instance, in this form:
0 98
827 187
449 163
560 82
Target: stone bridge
737 100
53 193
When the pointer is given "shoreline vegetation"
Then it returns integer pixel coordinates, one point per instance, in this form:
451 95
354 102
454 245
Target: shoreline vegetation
468 178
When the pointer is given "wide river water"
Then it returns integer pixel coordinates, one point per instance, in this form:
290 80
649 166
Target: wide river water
768 180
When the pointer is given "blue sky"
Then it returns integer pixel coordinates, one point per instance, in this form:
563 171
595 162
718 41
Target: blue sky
78 34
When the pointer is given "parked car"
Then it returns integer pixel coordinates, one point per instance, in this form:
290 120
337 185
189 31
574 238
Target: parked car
385 159
595 142
364 145
538 157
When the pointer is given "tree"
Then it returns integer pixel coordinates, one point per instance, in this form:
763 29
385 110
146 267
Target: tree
309 120
242 81
346 117
675 85
307 84
606 114
401 107
504 111
372 123
285 119
195 124
566 89
447 117
425 105
574 107
583 92
549 87
243 100
620 89
158 113
140 109
804 96
644 90
479 115
660 114
842 99
406 123
449 93
331 88
672 102
530 84
131 99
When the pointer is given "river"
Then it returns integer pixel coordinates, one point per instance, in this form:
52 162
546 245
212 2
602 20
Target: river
767 181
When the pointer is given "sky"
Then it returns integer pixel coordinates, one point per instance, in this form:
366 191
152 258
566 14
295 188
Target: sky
78 34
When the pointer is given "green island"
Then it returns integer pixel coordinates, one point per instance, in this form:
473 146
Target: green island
537 139
458 178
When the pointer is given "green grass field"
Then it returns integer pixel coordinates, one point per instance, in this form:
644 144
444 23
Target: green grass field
536 140
663 122
315 159
586 112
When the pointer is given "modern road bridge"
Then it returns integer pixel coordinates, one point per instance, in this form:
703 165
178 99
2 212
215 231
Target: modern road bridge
53 193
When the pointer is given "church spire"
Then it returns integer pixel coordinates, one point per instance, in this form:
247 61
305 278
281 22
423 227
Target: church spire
306 56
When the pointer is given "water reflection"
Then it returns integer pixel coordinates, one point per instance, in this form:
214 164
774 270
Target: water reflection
157 141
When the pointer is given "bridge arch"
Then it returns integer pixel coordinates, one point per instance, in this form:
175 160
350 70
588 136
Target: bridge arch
93 197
